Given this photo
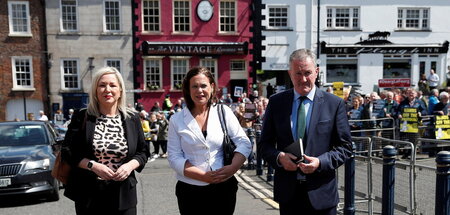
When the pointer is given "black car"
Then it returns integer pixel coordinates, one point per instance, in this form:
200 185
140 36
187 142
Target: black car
27 158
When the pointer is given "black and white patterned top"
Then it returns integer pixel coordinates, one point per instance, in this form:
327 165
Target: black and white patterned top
109 143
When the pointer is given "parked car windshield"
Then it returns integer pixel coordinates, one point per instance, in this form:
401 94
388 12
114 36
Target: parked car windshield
22 135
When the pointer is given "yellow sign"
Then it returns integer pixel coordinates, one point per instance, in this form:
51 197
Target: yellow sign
338 89
259 71
442 127
409 121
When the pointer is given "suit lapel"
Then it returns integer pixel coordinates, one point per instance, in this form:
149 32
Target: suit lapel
193 126
129 129
315 114
287 108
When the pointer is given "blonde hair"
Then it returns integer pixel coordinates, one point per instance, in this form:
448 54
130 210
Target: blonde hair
93 108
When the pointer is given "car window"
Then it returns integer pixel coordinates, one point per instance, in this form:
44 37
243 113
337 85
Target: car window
20 135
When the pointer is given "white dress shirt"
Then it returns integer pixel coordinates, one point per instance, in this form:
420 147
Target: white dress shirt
186 142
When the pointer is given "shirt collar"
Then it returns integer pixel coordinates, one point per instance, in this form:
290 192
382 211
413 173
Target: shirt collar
310 95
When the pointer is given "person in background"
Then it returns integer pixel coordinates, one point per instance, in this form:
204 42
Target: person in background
98 182
154 128
442 107
145 126
355 114
42 116
423 84
69 117
167 104
178 106
433 100
163 129
155 108
195 149
433 80
269 90
308 187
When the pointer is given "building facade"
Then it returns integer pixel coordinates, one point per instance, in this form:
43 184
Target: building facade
84 36
361 43
23 60
175 35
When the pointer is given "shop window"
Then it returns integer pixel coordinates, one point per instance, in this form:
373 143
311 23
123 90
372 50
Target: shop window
413 18
70 72
19 18
116 63
278 17
181 16
22 69
180 68
227 16
343 18
150 15
152 74
342 71
211 64
112 15
422 67
69 15
397 69
237 66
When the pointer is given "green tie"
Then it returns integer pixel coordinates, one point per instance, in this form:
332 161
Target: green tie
301 118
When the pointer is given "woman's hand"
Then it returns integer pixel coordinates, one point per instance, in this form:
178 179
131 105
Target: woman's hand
125 170
102 171
224 173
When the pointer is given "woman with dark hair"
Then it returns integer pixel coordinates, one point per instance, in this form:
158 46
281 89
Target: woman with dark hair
195 149
105 145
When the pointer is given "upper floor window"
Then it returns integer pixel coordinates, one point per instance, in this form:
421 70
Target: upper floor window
343 18
70 71
19 18
22 69
112 15
116 63
180 67
278 17
413 18
181 16
69 15
150 15
237 65
152 74
211 64
227 16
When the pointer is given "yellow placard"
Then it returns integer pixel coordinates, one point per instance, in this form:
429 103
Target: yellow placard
338 89
442 127
409 121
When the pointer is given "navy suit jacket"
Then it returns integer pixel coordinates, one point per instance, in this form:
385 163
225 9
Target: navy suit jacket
81 186
328 139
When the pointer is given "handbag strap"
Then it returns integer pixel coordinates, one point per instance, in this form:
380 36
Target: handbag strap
223 123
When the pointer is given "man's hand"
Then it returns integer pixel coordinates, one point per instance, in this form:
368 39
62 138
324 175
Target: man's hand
286 160
312 164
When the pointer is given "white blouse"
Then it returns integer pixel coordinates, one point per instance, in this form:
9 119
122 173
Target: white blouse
186 142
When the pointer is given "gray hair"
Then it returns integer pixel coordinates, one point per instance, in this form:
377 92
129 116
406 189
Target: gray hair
442 94
301 54
93 108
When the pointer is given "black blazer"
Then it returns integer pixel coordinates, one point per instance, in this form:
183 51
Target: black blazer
78 145
328 139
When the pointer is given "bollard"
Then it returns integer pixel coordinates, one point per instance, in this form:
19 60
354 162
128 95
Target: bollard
442 200
349 196
269 173
389 154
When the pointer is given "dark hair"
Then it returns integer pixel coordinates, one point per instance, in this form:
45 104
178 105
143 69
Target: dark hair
186 88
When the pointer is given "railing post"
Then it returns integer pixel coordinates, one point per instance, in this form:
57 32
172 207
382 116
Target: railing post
389 154
442 205
349 196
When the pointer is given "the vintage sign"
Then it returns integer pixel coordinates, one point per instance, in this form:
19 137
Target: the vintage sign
194 48
394 82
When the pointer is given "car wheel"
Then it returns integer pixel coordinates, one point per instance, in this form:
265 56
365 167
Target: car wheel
54 194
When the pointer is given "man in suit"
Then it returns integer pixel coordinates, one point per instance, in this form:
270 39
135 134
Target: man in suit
307 187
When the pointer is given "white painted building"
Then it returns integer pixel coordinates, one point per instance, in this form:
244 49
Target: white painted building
82 37
411 39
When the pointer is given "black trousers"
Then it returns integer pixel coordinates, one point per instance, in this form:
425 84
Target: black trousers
217 199
301 204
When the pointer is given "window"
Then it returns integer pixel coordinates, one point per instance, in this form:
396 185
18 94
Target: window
342 70
211 64
22 69
396 68
112 15
69 15
343 18
227 16
413 18
179 70
278 17
150 15
116 63
237 65
69 69
19 18
181 16
152 74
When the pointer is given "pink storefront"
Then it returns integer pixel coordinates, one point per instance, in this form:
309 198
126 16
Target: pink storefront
174 35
